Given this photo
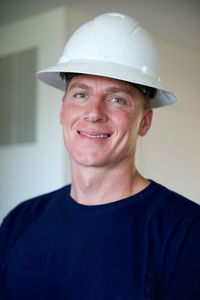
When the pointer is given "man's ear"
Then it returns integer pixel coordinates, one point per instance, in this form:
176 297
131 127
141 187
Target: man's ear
61 111
145 123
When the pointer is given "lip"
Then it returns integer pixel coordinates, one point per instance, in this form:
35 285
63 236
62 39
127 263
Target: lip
94 135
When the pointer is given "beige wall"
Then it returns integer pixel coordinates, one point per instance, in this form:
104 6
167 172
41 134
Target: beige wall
170 152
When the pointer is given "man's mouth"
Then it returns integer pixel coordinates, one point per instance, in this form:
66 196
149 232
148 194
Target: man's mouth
95 135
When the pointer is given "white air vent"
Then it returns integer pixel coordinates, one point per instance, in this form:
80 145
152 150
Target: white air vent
18 98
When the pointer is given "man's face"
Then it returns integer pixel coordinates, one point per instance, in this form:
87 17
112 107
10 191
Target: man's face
101 119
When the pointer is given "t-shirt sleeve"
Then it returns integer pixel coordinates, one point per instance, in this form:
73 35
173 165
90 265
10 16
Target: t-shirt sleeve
3 291
184 282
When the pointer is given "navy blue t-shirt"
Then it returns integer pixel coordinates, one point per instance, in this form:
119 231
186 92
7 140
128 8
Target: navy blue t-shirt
146 246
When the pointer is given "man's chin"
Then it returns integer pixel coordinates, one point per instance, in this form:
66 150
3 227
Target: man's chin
89 161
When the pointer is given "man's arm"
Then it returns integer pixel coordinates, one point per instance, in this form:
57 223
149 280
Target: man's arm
184 282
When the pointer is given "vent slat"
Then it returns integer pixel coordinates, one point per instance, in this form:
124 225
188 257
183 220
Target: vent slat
18 97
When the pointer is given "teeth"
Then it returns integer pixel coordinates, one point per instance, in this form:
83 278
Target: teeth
95 136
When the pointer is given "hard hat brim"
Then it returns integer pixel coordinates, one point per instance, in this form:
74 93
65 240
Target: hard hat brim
107 69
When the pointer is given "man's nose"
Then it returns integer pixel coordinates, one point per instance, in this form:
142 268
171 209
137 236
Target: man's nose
96 111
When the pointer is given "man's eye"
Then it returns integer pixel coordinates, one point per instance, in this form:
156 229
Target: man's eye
81 95
117 100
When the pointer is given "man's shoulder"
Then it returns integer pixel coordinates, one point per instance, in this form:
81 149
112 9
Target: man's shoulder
171 198
38 203
30 210
171 207
24 215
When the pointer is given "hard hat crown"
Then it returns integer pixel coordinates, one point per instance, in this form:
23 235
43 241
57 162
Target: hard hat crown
112 45
114 38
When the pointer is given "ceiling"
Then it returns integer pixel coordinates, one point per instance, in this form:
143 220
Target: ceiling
173 20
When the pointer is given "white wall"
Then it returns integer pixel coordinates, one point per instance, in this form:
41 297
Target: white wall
31 169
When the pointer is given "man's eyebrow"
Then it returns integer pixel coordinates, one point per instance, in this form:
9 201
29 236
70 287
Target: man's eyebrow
78 85
119 90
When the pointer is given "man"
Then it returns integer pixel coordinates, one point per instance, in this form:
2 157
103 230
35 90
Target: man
112 234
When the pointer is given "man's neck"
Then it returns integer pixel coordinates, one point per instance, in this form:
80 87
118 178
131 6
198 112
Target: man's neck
94 186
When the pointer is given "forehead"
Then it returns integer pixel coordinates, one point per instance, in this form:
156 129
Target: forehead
103 83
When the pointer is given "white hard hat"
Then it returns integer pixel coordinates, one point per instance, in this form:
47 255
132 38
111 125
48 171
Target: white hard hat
111 45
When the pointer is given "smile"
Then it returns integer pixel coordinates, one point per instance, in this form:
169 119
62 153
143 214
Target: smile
95 136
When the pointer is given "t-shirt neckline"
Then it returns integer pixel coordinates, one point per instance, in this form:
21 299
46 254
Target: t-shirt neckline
83 209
